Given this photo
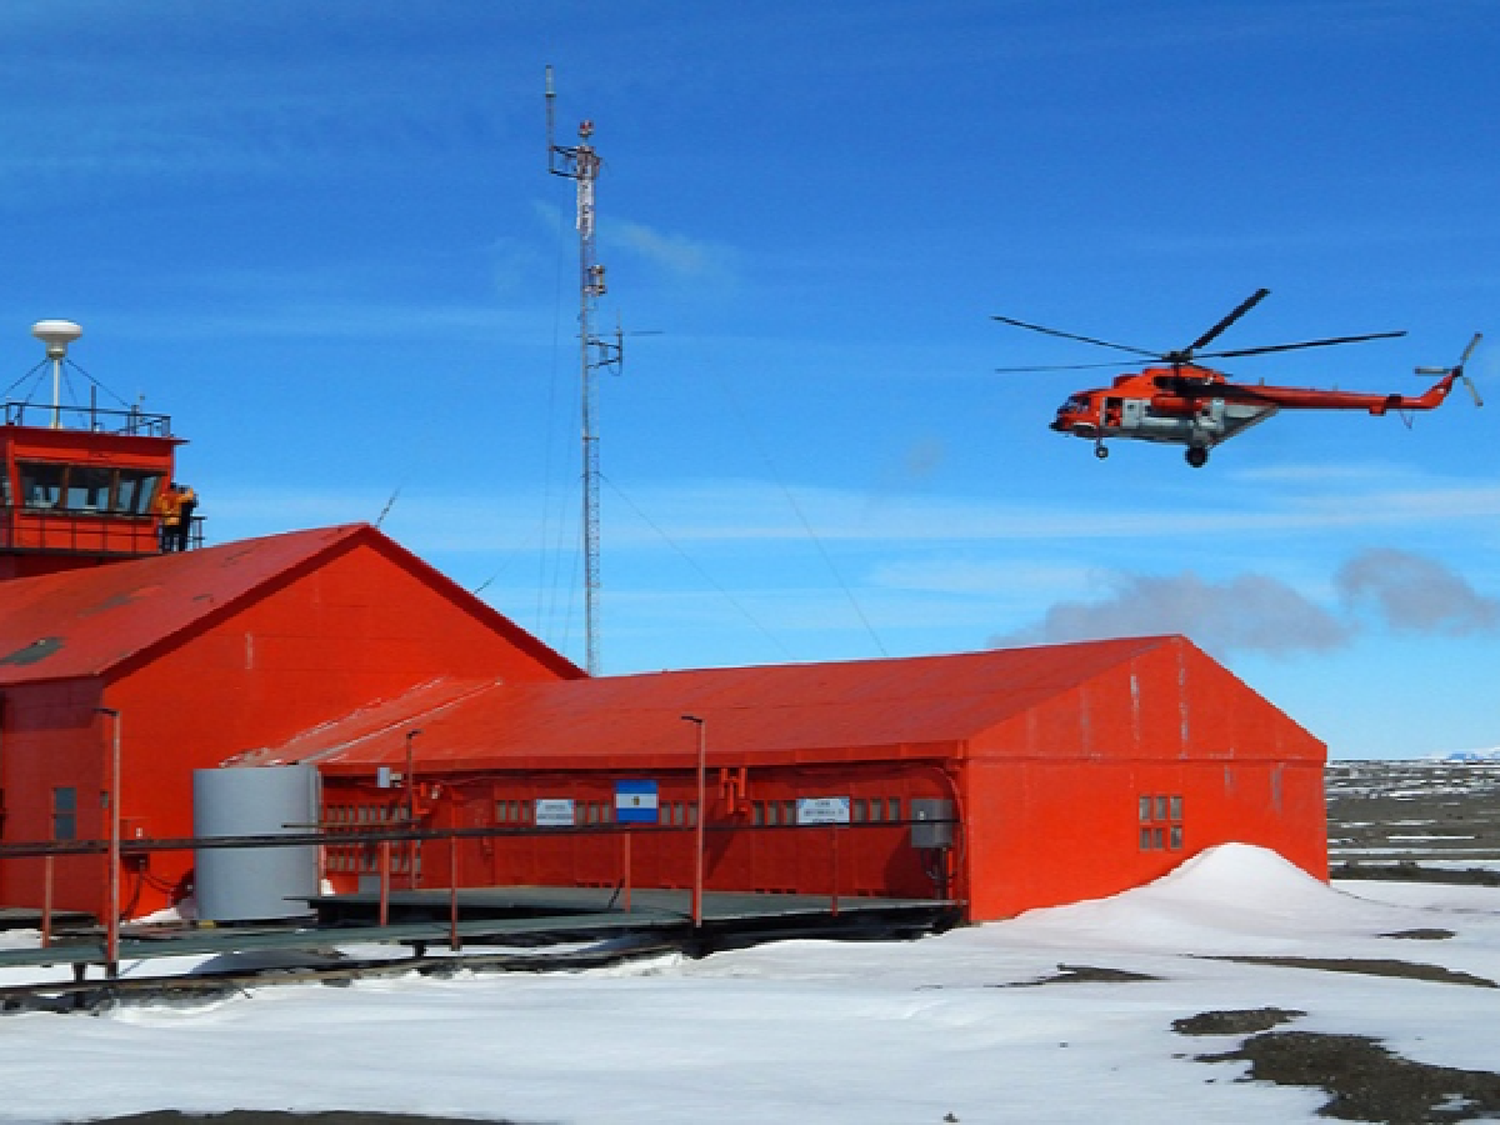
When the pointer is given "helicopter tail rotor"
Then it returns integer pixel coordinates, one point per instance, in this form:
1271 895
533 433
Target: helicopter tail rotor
1457 370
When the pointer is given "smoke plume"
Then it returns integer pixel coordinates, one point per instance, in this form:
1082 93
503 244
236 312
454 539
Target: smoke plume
1404 592
1415 594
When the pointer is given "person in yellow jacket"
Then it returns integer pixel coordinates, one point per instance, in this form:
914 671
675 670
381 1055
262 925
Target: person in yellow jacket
168 512
187 502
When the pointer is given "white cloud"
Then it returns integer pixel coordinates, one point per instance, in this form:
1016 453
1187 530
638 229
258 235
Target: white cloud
684 257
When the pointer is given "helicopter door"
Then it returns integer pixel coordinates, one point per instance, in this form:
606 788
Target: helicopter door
1211 417
1132 413
1113 414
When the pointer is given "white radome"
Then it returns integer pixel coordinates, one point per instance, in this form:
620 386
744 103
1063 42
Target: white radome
57 335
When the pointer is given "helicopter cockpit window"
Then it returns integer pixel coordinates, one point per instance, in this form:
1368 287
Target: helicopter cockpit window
1075 405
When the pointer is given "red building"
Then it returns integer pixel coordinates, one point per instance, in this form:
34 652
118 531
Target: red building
197 655
1068 772
1006 779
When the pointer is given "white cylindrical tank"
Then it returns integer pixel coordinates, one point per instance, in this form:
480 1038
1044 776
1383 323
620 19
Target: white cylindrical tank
263 882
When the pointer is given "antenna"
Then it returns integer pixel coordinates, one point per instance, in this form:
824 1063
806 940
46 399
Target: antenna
57 335
581 163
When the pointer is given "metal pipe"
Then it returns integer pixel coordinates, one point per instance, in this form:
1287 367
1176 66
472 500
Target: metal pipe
385 882
112 923
702 816
834 828
411 807
47 901
453 939
628 879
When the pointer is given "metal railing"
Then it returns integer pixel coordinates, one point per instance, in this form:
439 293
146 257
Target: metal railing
75 532
133 422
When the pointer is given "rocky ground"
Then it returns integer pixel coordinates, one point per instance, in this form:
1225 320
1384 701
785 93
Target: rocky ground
1414 820
1428 821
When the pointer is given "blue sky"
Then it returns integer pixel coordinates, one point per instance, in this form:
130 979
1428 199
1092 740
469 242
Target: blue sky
321 235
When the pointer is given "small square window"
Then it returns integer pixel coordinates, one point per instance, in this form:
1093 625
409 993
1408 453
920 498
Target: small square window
1145 839
1145 810
1176 808
1175 839
1161 808
1158 838
861 811
893 809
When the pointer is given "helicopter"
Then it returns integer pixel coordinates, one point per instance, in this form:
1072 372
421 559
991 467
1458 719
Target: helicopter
1183 402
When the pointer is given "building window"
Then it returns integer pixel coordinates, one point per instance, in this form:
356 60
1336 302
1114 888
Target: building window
65 813
1161 822
86 488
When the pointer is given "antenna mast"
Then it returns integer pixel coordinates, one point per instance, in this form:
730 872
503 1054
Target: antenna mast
581 163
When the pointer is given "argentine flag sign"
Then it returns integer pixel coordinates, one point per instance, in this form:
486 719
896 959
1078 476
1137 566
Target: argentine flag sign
635 802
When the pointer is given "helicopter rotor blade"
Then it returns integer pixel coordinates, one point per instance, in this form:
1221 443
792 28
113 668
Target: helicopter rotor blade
1115 364
1244 306
1073 336
1464 375
1304 344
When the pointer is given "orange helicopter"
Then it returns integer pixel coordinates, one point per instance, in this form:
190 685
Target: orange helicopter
1185 403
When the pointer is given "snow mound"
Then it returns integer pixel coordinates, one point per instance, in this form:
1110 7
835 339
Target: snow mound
1243 875
1235 894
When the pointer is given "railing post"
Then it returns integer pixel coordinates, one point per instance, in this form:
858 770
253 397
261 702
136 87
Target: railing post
835 896
453 940
385 881
47 901
628 877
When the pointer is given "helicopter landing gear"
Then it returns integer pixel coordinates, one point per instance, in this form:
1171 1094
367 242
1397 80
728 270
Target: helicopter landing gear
1196 456
1101 451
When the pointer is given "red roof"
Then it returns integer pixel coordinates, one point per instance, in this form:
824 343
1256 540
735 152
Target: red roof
89 622
893 708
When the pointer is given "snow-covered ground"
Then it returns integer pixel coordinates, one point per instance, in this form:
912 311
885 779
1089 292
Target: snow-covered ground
962 1027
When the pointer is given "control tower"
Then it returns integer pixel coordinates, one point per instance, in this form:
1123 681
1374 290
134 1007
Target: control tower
79 484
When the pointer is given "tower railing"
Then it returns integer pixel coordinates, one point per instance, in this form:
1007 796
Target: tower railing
133 421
